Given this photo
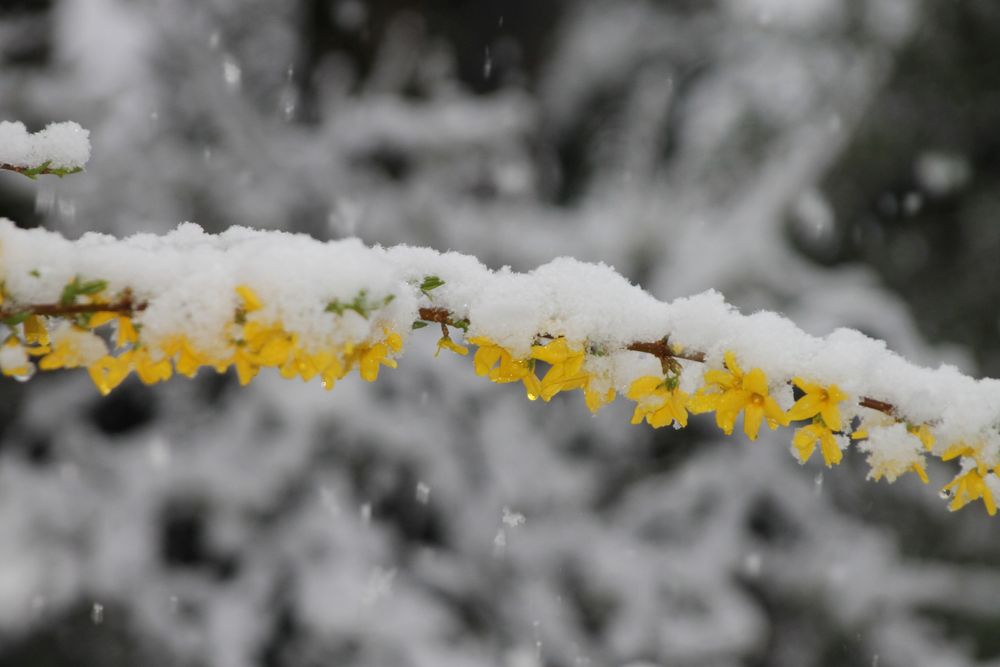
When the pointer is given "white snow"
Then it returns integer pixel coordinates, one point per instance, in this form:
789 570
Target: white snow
61 145
188 280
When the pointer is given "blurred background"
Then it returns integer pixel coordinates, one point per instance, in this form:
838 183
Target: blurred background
835 160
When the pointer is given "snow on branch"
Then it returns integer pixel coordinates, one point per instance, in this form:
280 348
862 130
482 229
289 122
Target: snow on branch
60 149
247 300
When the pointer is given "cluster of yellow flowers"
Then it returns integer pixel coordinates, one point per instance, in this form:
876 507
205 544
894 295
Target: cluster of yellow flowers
730 392
73 340
253 344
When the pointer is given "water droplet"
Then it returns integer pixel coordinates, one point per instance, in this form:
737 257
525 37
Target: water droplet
423 494
944 494
97 613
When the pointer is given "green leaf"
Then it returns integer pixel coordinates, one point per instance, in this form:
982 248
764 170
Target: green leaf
35 273
70 291
430 283
360 304
419 324
46 168
93 287
16 318
462 324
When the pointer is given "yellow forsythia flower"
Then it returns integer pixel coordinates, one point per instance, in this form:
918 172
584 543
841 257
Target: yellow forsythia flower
731 392
962 449
251 301
377 355
35 332
805 439
969 486
566 370
496 362
818 400
923 432
659 403
13 359
446 343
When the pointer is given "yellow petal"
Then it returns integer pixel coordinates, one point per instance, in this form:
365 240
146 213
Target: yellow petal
553 353
775 415
732 365
532 386
395 341
806 407
805 386
831 452
643 386
126 332
35 331
755 381
804 442
753 414
251 301
831 416
101 318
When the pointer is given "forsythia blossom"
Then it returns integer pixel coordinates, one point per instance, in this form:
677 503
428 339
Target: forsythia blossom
730 392
110 334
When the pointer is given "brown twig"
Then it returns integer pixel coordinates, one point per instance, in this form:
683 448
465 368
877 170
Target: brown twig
123 305
660 349
875 404
439 315
40 170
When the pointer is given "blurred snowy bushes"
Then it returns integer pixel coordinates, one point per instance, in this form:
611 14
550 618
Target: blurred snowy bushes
756 147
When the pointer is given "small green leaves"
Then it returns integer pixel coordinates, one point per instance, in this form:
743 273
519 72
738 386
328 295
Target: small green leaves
35 273
430 283
360 304
44 169
16 318
462 324
77 288
420 324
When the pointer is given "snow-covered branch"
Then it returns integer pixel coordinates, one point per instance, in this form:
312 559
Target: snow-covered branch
251 299
60 149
